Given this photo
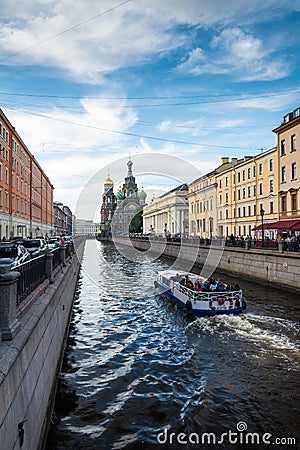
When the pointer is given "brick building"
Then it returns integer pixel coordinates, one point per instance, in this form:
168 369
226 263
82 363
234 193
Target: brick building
26 193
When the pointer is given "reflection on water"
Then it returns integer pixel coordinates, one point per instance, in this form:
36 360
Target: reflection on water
136 364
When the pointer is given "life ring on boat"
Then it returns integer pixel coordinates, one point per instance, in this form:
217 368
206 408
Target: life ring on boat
228 299
221 301
188 305
212 300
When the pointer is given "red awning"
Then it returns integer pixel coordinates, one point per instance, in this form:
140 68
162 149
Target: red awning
287 224
267 226
292 224
296 227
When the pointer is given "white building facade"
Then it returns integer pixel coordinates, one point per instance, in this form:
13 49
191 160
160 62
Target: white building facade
168 214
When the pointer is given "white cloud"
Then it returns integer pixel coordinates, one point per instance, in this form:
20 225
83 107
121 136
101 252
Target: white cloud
86 130
64 35
237 53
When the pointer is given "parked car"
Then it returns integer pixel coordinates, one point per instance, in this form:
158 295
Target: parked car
35 246
13 254
53 243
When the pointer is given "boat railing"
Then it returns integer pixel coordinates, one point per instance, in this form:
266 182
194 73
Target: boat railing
207 296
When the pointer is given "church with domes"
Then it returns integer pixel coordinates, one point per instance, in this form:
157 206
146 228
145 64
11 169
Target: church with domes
118 210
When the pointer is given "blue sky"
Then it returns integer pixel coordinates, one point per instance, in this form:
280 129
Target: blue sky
86 83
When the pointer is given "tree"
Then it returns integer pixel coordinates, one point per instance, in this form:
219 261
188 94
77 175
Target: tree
136 223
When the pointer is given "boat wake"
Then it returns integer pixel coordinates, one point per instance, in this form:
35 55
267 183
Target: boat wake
270 333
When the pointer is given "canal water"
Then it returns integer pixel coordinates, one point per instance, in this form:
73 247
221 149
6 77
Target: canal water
139 373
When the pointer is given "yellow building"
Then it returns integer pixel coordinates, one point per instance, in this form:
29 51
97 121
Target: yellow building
202 197
247 194
288 143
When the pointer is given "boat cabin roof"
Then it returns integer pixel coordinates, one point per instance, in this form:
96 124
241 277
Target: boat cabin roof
178 275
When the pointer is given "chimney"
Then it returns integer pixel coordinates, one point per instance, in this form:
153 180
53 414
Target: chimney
224 160
233 161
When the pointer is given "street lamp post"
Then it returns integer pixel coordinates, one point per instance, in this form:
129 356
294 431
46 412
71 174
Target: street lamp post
262 212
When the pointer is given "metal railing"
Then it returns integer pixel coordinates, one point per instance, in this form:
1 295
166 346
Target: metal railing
56 261
32 273
267 244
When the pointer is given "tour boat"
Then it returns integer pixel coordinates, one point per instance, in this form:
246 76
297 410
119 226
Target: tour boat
204 302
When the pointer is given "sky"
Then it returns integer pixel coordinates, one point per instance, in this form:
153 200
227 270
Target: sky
88 84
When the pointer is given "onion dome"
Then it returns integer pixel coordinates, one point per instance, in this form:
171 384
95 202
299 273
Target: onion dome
120 195
142 194
108 181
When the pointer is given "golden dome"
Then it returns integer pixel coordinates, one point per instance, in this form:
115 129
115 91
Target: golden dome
109 181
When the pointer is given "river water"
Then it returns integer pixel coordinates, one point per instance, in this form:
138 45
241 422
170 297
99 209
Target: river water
139 373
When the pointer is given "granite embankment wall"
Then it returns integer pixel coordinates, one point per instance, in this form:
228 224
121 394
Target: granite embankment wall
271 266
30 361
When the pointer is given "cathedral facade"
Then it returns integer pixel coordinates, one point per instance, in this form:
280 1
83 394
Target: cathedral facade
118 210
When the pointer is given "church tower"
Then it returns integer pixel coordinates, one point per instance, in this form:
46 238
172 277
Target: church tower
109 201
130 188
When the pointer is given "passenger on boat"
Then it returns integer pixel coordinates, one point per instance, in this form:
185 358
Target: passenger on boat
189 283
182 282
198 285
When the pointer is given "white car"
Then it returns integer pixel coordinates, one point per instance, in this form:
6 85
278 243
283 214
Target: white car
35 247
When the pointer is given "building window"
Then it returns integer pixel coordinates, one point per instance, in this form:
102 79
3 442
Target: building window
6 176
226 197
220 199
244 192
233 193
260 188
239 177
239 212
293 143
283 203
226 181
294 171
283 174
282 147
294 202
271 207
226 213
254 210
244 175
249 191
249 173
249 210
239 194
260 169
233 179
254 171
244 211
271 165
254 190
220 184
271 185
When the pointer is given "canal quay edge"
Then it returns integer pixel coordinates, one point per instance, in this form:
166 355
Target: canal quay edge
277 267
32 341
